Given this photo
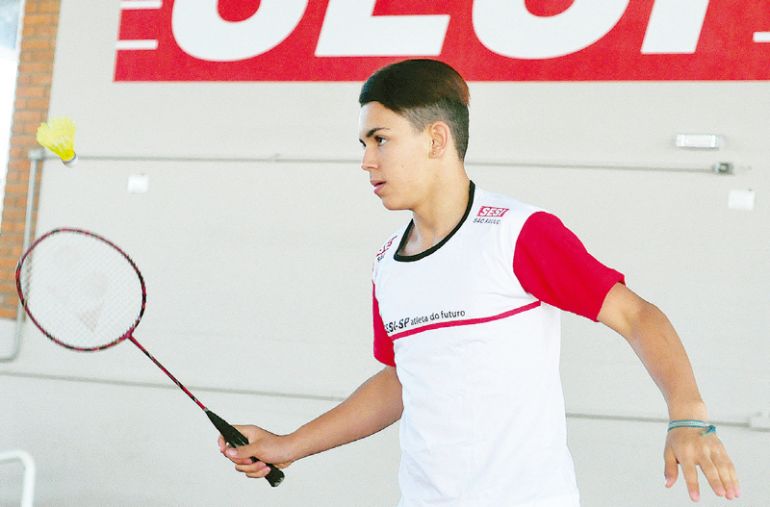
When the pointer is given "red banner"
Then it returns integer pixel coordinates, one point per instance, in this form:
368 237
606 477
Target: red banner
486 40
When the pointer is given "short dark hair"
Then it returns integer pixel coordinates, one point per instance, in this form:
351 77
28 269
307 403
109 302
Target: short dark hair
423 91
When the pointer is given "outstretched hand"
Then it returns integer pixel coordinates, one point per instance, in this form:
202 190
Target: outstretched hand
689 448
265 446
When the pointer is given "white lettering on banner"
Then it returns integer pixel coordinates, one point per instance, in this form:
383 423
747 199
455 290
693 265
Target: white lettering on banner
674 26
486 40
507 28
202 33
350 29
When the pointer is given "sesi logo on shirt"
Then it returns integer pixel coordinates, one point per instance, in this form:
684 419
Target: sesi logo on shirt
492 212
489 215
385 247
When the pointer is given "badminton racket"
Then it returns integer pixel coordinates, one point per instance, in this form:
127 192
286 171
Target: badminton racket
86 294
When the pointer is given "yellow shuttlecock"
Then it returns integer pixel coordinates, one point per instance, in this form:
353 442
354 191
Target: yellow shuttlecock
58 135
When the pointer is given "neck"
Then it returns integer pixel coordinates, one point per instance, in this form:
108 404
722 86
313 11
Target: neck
441 210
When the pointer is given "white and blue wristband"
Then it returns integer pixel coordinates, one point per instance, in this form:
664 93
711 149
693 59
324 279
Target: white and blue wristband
693 423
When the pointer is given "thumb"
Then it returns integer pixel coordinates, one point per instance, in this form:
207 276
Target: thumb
241 455
236 452
671 469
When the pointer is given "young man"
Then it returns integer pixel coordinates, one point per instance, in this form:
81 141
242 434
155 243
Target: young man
466 303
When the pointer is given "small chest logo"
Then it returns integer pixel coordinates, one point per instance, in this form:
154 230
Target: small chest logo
385 247
490 215
491 212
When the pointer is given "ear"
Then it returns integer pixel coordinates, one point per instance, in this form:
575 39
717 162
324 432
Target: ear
441 139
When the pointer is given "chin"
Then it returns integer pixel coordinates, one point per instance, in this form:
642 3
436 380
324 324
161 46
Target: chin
393 204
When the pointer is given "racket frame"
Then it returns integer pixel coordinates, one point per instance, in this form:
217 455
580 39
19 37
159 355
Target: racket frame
23 300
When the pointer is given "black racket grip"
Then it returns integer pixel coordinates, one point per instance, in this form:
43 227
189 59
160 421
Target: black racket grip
236 439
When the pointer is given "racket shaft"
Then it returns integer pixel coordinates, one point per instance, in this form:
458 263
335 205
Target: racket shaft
164 370
230 434
235 438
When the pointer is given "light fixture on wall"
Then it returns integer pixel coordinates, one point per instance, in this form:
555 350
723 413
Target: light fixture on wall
138 183
705 142
699 141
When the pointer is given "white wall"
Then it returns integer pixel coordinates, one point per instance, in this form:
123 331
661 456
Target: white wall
258 275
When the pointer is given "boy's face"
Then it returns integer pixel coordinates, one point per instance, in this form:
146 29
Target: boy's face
396 156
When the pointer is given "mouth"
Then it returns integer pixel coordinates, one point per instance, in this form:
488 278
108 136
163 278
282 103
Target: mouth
377 184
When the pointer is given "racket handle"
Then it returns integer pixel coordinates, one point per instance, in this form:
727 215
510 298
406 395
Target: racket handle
275 476
235 438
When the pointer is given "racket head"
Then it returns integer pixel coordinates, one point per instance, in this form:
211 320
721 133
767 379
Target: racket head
80 289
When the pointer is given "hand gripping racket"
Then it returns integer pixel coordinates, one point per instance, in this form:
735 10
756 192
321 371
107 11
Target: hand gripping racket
86 294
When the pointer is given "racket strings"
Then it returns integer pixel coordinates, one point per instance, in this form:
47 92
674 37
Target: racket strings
82 291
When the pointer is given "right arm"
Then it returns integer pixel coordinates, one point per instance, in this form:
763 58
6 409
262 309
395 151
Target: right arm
375 405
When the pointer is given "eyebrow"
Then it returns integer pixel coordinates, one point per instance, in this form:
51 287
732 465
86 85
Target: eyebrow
373 131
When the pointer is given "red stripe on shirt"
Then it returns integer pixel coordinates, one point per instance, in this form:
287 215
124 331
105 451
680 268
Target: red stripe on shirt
383 347
465 322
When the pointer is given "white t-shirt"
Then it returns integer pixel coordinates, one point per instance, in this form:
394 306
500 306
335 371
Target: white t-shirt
472 326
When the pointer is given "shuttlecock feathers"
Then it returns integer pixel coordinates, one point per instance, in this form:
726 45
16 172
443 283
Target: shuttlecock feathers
58 135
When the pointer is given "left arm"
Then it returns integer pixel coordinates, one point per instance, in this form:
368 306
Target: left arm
656 343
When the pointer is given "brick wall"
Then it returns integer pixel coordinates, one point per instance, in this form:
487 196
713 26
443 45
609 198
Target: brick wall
33 85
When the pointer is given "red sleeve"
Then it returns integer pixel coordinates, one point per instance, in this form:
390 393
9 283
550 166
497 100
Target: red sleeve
553 265
383 345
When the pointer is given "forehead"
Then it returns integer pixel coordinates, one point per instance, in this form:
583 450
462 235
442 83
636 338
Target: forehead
375 115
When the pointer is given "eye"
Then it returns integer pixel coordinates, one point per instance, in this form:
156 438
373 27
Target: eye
380 140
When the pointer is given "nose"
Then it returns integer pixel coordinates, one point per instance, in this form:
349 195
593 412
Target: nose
368 161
